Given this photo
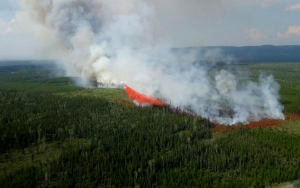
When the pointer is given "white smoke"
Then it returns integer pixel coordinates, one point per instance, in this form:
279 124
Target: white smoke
113 41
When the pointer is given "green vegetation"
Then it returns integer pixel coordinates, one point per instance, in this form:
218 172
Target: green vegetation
56 134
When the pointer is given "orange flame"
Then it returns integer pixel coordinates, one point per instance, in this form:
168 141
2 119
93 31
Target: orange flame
141 98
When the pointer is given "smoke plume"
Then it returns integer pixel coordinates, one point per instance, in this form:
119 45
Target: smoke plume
118 41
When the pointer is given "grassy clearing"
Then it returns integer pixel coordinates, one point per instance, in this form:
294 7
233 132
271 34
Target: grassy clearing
292 184
292 127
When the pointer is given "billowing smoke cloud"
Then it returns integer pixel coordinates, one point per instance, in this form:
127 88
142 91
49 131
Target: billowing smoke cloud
114 41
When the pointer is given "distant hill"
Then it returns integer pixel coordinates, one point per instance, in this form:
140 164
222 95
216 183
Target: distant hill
244 54
265 53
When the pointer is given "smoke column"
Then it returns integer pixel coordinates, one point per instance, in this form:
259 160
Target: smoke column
115 41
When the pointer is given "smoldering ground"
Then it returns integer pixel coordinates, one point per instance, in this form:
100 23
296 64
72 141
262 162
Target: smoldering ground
121 41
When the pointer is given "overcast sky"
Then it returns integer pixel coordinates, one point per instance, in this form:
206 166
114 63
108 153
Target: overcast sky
185 23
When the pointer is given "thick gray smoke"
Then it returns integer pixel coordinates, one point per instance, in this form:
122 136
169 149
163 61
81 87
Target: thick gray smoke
116 41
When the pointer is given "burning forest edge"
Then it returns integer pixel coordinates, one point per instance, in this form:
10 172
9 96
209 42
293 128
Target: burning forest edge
90 131
115 41
222 114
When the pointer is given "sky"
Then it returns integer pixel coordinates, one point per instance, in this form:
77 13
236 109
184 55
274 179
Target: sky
181 24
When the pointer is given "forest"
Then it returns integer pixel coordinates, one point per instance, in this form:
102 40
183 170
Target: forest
54 133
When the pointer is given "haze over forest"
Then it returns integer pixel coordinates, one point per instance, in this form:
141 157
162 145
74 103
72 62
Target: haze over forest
130 42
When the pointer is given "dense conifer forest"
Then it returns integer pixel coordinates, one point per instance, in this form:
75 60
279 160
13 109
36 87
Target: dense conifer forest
56 134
